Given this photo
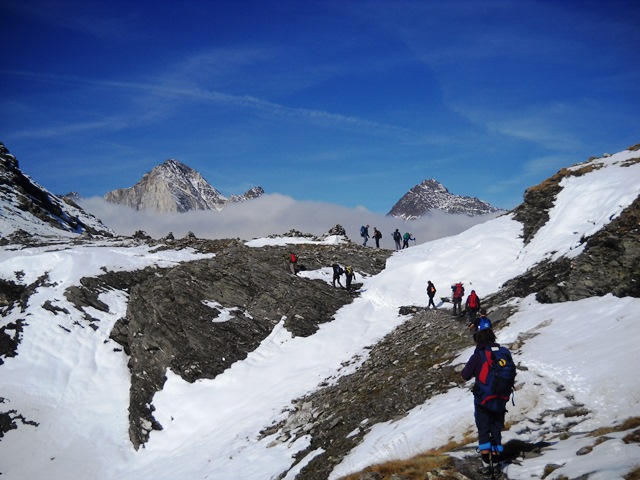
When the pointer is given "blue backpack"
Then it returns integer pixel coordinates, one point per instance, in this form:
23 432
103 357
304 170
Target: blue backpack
497 378
362 231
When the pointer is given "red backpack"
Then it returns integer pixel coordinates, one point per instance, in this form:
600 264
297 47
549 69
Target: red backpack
473 300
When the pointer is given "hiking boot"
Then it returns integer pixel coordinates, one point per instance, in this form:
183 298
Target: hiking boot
486 470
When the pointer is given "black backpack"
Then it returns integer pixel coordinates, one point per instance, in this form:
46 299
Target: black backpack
497 378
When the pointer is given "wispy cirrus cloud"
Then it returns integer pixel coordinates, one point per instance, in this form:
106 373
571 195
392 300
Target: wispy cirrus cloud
173 91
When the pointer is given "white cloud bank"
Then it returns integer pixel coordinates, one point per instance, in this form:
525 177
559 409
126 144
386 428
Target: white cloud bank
275 214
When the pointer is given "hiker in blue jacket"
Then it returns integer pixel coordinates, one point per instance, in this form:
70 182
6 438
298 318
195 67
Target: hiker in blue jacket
337 272
364 233
489 423
475 324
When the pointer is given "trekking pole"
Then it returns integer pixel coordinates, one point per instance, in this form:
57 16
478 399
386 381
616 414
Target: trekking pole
494 448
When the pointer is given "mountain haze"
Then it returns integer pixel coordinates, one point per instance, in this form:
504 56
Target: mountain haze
432 195
175 187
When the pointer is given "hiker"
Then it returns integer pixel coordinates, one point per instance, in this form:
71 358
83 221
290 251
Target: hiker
474 325
293 260
349 275
431 291
405 240
457 292
397 237
337 271
377 236
489 414
473 305
364 233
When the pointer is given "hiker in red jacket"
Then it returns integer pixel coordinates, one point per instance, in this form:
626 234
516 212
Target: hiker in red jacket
457 292
473 305
293 263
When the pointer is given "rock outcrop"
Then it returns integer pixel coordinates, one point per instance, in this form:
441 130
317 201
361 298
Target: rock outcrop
200 317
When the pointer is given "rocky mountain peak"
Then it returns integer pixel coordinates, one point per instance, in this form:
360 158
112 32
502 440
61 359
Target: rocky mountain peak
432 195
175 187
255 192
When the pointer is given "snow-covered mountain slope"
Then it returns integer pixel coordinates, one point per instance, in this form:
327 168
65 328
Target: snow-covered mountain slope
175 187
28 208
432 195
66 388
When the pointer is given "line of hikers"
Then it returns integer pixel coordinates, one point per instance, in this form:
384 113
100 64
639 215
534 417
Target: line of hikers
494 372
490 365
401 241
337 269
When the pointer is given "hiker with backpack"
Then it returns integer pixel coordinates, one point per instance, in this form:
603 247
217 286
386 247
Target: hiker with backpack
397 237
473 325
405 240
337 271
457 292
494 371
473 305
364 233
293 261
431 292
377 236
349 275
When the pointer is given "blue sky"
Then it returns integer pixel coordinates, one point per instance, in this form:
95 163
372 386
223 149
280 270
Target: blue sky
347 102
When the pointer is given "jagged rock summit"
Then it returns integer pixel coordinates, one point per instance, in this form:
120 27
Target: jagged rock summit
29 210
432 195
175 187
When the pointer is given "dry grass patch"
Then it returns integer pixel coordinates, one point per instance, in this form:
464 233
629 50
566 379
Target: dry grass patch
628 424
633 474
415 468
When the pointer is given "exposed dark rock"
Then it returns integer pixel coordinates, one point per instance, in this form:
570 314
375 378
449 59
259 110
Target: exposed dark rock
8 421
10 338
171 315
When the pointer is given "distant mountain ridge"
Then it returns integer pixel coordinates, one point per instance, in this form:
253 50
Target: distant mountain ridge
432 195
175 187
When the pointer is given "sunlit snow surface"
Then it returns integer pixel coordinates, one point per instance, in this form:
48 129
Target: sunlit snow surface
74 382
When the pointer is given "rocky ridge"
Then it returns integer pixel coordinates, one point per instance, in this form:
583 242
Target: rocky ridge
28 206
432 195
